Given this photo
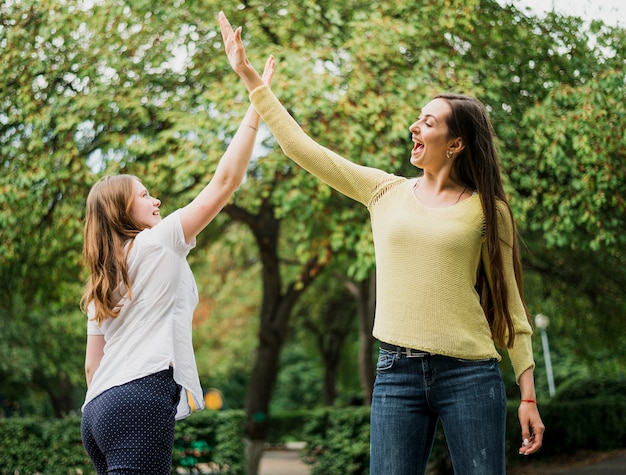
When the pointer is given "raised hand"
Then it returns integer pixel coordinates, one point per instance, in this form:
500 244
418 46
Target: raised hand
268 70
235 51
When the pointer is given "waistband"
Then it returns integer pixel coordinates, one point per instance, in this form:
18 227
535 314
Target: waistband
400 350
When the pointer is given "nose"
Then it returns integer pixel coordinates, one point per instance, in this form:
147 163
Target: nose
414 128
157 202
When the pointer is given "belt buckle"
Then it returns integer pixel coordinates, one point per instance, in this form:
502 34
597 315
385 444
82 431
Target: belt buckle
411 353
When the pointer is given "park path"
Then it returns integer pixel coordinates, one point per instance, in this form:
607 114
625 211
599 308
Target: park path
287 462
283 462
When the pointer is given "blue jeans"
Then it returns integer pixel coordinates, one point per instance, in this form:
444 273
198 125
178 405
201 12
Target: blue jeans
411 394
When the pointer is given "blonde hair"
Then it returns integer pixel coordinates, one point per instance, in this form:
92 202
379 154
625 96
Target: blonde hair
109 226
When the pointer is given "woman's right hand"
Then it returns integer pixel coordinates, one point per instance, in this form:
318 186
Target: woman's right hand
236 53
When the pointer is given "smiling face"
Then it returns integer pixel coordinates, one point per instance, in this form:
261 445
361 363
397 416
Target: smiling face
430 136
144 208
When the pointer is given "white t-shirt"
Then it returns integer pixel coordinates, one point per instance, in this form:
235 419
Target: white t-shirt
153 329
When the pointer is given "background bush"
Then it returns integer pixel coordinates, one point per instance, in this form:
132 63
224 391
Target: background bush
54 447
337 439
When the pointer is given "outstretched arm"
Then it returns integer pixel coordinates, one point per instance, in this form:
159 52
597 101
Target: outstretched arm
356 181
229 173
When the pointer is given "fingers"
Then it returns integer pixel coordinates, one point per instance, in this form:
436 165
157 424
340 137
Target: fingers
225 26
532 430
236 53
530 445
228 35
536 440
268 71
525 433
531 442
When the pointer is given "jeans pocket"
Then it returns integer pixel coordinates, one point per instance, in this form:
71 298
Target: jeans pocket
386 360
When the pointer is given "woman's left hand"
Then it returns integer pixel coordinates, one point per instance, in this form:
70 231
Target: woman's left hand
236 53
532 428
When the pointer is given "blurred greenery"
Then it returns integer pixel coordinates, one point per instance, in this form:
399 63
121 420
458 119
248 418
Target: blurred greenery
133 87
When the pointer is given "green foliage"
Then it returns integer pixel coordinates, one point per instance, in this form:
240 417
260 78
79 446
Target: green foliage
211 437
299 382
595 387
132 87
226 320
338 440
33 446
571 173
287 426
54 446
586 325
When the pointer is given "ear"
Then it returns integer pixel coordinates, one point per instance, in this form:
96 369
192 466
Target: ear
456 145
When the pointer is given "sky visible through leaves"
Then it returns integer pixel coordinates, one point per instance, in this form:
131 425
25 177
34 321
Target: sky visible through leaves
611 12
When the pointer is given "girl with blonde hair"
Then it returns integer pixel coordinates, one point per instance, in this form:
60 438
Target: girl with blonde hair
140 297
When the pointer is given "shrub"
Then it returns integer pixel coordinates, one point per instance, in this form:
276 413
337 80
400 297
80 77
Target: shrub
54 446
590 387
338 440
42 446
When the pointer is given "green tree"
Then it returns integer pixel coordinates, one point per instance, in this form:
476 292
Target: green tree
43 180
328 315
572 178
137 88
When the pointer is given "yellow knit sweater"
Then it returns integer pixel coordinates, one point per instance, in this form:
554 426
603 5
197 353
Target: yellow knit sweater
426 258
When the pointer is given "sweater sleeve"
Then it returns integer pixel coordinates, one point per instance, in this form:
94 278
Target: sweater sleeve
355 181
521 354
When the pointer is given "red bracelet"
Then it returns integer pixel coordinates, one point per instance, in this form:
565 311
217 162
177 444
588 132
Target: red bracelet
530 400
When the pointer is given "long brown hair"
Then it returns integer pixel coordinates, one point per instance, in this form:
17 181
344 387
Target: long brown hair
477 166
108 228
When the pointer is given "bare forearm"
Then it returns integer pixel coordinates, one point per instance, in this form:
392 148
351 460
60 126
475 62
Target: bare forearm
232 167
93 355
227 178
527 385
250 78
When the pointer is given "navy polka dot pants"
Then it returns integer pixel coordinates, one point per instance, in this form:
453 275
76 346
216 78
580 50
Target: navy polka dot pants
129 429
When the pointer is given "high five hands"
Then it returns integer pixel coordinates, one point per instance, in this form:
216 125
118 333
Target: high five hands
236 53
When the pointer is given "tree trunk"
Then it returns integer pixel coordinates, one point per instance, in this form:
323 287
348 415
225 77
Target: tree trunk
276 309
263 378
254 453
258 397
364 293
330 377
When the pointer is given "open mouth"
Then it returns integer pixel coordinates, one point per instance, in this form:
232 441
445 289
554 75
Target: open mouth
418 147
